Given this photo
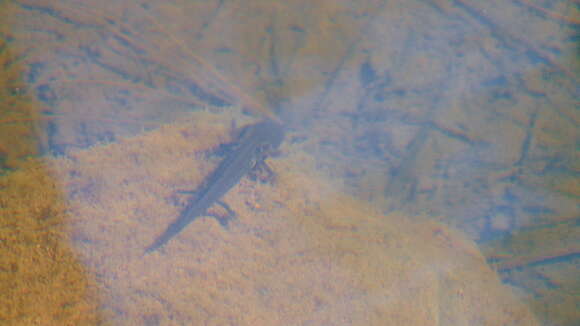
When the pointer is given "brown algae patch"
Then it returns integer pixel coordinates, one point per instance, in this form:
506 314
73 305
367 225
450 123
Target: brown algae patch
41 280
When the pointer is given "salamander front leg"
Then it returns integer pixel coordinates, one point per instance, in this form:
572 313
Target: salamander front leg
224 219
262 172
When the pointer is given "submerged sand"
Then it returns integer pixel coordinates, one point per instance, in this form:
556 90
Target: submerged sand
300 251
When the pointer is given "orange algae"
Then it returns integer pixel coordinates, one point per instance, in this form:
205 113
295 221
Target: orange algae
41 280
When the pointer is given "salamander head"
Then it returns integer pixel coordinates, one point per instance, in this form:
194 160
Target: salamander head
269 131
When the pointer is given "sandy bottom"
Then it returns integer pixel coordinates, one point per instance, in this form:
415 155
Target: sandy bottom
299 251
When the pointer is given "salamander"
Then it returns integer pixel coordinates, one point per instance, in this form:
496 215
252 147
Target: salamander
256 142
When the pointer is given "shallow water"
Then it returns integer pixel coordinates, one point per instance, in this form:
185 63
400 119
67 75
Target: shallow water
458 112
